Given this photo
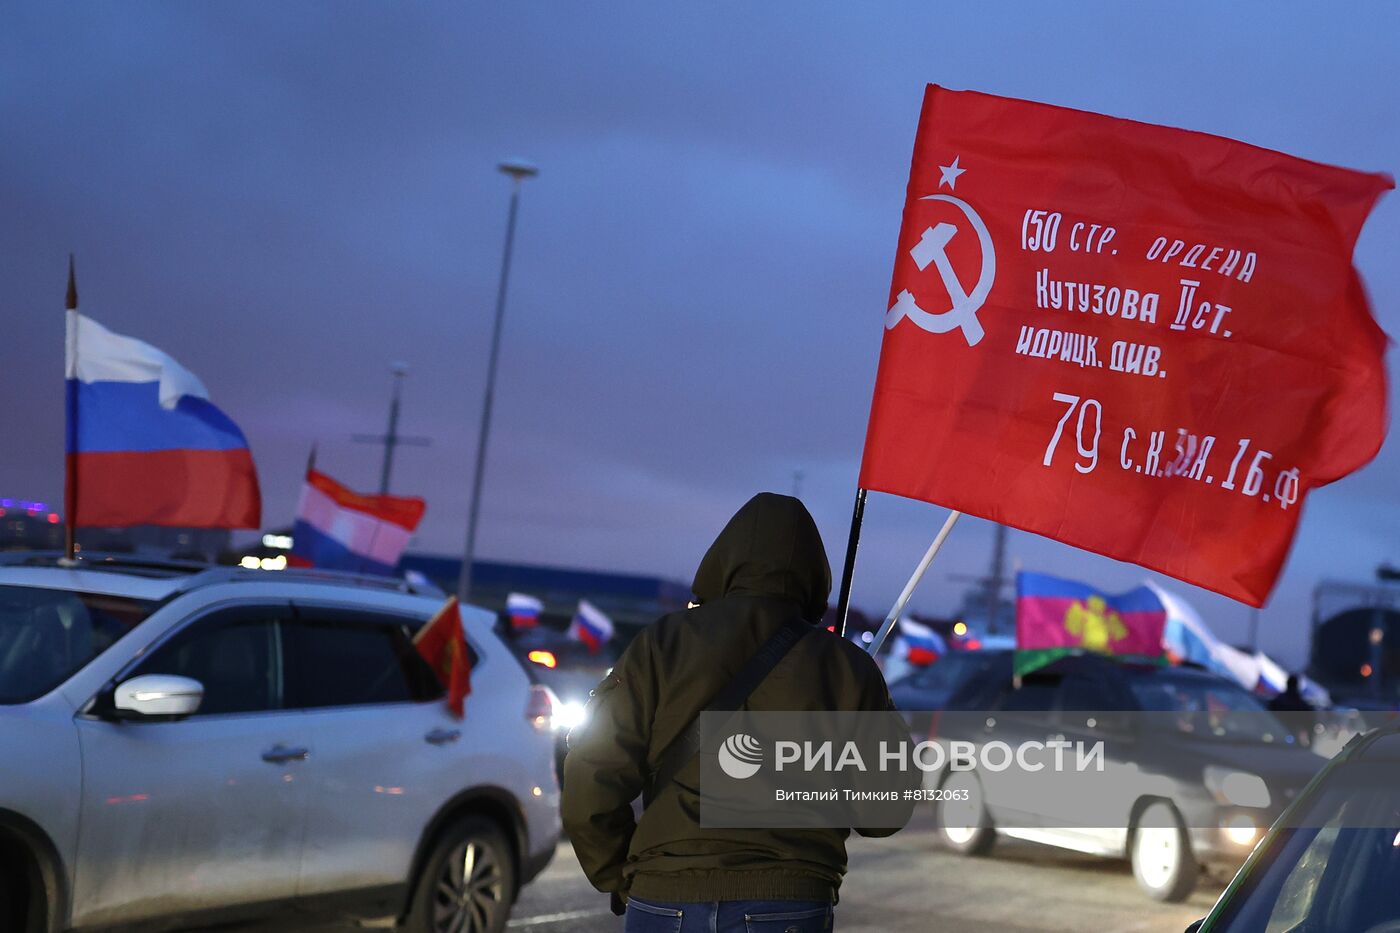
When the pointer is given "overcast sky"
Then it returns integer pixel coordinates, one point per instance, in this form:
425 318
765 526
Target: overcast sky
287 197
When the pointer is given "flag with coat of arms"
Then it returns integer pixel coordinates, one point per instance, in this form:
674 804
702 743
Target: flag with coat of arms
1057 617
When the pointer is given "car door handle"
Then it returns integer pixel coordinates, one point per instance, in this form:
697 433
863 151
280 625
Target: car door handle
279 754
442 736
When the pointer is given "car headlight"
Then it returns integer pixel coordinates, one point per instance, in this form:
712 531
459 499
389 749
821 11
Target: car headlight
1236 788
1241 830
569 714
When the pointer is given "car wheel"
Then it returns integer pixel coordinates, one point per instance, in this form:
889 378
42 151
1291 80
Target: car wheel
7 898
1163 863
467 882
13 896
961 817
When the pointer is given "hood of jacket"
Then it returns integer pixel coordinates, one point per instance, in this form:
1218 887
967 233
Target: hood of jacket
771 547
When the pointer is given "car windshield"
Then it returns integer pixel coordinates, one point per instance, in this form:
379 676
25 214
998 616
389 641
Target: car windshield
1208 707
1335 872
955 667
48 635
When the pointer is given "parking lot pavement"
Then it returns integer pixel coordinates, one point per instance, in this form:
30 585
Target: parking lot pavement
905 884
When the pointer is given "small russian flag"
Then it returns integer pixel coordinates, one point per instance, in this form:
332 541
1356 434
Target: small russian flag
923 645
524 611
591 626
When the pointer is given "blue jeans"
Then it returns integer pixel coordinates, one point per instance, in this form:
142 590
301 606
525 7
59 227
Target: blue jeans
728 917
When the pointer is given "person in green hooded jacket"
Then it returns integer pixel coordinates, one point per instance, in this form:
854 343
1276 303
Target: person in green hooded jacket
766 567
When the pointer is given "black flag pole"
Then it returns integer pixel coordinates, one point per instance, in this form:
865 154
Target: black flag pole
843 599
70 466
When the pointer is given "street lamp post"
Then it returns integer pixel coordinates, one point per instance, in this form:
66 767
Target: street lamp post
518 172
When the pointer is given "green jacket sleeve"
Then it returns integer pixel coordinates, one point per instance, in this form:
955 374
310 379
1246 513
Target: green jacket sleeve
606 766
875 698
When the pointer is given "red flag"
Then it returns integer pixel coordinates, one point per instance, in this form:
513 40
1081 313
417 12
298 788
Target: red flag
1145 342
444 646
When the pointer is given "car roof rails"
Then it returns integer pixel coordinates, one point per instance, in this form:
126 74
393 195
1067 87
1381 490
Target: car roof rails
342 578
137 565
196 573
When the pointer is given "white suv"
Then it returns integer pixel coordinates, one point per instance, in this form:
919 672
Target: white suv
183 745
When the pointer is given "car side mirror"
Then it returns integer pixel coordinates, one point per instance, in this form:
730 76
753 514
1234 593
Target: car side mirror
1195 927
157 695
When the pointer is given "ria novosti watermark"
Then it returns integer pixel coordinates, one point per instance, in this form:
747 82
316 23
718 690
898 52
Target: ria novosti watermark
1215 767
741 756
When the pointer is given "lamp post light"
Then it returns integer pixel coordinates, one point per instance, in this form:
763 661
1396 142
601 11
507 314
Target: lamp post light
518 172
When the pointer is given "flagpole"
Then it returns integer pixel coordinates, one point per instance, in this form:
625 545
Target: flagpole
518 171
918 575
70 405
848 570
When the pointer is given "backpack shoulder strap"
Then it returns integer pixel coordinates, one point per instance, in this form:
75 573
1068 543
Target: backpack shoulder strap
730 697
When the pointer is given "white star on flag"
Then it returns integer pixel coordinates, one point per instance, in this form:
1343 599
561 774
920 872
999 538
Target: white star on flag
950 174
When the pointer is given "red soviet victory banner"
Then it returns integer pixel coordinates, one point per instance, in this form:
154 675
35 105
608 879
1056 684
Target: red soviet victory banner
1145 342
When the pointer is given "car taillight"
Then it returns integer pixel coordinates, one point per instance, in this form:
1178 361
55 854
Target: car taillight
539 710
544 658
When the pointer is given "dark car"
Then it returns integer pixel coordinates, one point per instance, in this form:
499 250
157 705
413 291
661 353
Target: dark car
568 668
1332 860
928 690
1191 766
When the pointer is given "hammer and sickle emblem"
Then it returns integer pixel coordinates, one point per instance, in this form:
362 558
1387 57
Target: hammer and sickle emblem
932 248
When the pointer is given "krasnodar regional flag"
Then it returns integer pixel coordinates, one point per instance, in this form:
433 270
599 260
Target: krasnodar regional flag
1141 341
340 529
524 610
145 446
1056 617
591 626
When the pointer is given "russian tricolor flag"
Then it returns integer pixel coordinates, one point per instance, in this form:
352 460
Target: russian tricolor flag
922 644
340 529
145 446
524 611
591 626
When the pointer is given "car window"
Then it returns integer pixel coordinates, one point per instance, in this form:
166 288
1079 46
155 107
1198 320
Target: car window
1034 695
1209 707
951 670
353 659
985 686
236 654
48 635
1301 886
1336 872
1081 694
